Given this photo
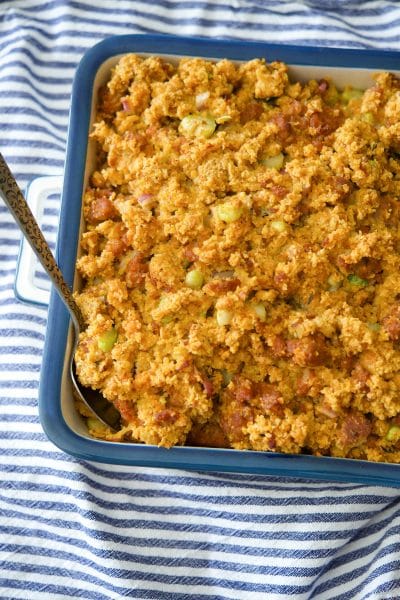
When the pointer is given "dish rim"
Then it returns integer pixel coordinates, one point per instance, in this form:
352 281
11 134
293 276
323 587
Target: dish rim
180 457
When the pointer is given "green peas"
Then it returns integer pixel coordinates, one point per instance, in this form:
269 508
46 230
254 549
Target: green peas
107 340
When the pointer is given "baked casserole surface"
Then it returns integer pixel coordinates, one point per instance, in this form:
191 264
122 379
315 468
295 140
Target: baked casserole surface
240 259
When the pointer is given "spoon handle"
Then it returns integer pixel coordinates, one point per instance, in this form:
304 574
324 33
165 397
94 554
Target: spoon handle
19 208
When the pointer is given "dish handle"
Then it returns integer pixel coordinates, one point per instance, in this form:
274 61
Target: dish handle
32 285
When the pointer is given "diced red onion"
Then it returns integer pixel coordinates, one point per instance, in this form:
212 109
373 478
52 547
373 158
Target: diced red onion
208 387
323 85
126 106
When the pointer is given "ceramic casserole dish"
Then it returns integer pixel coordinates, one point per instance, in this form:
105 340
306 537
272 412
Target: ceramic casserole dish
59 418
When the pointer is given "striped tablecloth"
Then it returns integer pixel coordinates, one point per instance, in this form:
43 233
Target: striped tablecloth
71 529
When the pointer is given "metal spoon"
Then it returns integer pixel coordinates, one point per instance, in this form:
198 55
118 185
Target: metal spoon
17 205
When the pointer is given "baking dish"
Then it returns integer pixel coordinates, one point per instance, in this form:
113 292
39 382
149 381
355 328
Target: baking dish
59 418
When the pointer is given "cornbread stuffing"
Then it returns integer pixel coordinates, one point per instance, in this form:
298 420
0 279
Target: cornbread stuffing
241 260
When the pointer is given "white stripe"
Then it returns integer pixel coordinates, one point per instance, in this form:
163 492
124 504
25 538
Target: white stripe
13 377
21 427
353 582
136 565
50 580
239 504
27 446
201 520
23 359
22 341
217 491
59 524
22 410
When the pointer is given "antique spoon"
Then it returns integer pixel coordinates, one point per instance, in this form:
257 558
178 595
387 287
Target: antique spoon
17 205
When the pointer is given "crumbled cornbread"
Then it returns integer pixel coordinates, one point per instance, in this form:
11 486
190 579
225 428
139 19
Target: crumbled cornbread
241 259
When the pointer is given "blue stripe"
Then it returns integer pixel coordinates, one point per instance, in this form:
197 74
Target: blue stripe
153 526
391 566
49 64
34 160
385 588
222 480
30 318
18 402
17 418
22 435
50 212
46 79
317 517
24 177
35 43
204 22
32 129
226 500
137 542
22 385
11 332
5 257
256 9
19 367
26 350
68 592
151 575
39 91
34 143
31 98
159 561
257 27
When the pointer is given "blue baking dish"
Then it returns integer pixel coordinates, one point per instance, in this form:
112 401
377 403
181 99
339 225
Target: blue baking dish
57 413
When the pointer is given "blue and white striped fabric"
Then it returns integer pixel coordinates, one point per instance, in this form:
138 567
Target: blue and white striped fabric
71 529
